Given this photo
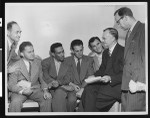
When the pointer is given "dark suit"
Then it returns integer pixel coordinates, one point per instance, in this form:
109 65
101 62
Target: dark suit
103 95
134 69
37 82
63 78
86 70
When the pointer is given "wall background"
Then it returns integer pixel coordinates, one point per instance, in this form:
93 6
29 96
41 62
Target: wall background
46 23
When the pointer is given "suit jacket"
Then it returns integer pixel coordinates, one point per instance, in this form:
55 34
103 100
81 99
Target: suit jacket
134 56
112 66
36 77
50 74
86 69
96 63
11 55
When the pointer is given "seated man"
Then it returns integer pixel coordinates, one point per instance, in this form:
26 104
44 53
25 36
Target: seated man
26 82
56 75
100 96
81 67
96 47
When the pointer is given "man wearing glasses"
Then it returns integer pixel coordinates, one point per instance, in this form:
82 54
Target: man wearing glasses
133 79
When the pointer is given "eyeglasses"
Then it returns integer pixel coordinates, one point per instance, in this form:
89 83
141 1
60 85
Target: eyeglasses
118 21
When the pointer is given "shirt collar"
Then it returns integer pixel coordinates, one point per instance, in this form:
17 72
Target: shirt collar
57 62
112 48
76 59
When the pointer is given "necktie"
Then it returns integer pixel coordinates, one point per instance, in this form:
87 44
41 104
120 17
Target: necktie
78 66
128 33
29 68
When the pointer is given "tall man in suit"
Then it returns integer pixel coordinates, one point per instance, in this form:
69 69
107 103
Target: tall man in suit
26 82
100 96
81 68
96 48
133 80
13 37
57 76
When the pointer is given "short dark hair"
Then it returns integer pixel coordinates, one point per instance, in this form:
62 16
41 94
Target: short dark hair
10 24
55 45
112 31
76 42
92 40
23 45
124 11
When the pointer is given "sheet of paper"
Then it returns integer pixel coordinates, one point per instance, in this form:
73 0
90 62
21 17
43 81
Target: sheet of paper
24 84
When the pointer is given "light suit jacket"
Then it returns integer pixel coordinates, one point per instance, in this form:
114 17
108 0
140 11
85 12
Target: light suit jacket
50 74
86 69
36 78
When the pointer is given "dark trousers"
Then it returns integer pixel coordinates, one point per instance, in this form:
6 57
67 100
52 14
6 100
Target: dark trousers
63 101
93 100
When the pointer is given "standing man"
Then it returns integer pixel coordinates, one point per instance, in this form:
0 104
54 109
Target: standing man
26 82
13 37
81 68
57 76
96 47
133 80
100 96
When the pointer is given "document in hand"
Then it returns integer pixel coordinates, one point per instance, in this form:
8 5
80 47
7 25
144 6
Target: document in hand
92 79
24 84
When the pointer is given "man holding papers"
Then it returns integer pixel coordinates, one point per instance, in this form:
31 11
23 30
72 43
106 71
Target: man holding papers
101 95
26 82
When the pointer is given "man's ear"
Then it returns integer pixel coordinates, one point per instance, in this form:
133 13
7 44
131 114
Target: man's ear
8 32
21 54
52 54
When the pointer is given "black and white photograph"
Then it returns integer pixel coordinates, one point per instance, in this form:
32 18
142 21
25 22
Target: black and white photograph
76 58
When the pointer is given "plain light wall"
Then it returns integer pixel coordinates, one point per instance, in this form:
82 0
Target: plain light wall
47 23
44 24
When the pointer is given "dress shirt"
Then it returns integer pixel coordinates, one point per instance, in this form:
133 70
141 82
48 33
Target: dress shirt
57 65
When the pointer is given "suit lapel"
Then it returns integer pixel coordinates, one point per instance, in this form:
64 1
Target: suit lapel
62 70
130 39
111 59
24 70
53 67
83 69
34 70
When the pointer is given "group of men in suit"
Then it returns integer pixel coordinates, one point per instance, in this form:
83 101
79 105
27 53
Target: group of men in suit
56 82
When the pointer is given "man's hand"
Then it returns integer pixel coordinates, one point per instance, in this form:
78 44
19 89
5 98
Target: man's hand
79 93
105 79
141 86
27 91
136 86
132 86
55 83
68 87
47 95
76 87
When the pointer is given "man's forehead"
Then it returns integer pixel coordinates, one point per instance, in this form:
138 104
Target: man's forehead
59 49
